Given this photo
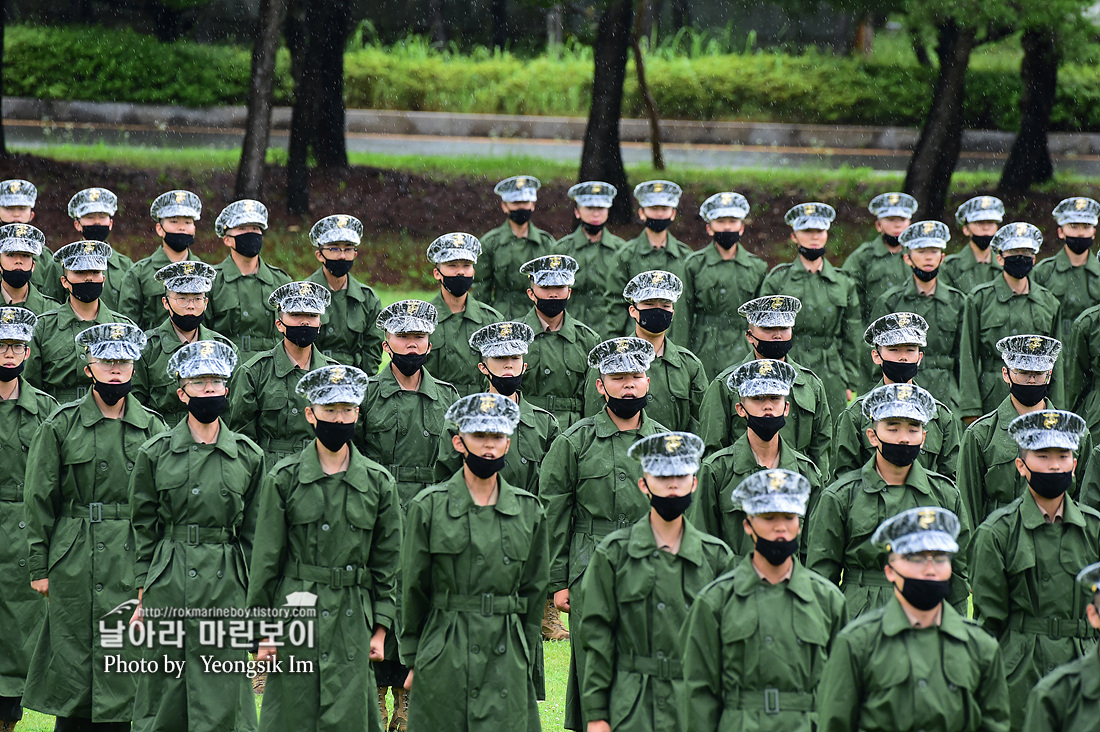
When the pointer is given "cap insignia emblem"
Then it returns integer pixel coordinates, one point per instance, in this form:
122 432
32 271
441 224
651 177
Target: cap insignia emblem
506 330
13 186
1034 343
777 302
411 308
555 262
1081 203
672 443
341 221
727 199
903 319
487 403
1021 229
597 188
206 349
249 206
117 331
775 480
905 392
336 375
927 518
765 368
622 346
929 227
986 202
521 182
89 247
658 187
809 209
1050 420
93 195
180 196
894 198
9 316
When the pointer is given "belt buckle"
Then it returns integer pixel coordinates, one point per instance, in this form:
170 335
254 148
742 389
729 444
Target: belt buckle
487 603
771 700
246 342
192 533
95 513
81 391
664 668
336 580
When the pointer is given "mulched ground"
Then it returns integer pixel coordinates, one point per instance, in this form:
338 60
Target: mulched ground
403 213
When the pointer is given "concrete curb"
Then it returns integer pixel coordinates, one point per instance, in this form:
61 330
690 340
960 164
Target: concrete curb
382 122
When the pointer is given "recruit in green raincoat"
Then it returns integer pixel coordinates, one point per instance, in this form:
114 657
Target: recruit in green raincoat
140 293
839 533
636 598
964 272
193 508
339 537
153 385
474 586
348 334
1076 288
239 309
875 269
557 365
1083 370
451 358
497 279
754 652
713 290
1067 699
47 276
78 524
636 256
593 302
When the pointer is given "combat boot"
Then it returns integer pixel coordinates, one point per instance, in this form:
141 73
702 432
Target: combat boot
552 627
382 705
400 718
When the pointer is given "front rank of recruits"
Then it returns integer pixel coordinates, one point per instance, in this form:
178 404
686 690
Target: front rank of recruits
858 497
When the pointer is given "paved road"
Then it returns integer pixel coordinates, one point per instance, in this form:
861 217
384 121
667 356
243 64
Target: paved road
30 135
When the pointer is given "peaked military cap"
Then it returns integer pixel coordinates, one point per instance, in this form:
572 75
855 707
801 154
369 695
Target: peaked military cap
773 311
456 247
1089 578
338 229
981 208
1029 352
84 256
189 277
1018 235
899 401
885 205
726 205
240 213
176 203
93 200
113 341
810 216
762 377
922 529
1047 428
626 355
484 412
408 316
658 193
925 235
335 384
202 358
773 491
17 192
499 340
654 285
518 188
301 297
21 238
1078 210
668 453
553 270
897 329
17 324
593 194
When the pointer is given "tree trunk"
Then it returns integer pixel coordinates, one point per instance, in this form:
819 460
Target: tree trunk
3 27
937 150
166 21
1029 161
437 22
681 14
250 172
498 10
863 43
555 28
601 158
647 97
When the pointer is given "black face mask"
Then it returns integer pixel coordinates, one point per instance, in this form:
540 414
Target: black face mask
1029 394
302 335
727 239
890 241
775 350
17 278
184 322
506 385
924 594
520 216
1079 244
87 291
458 285
249 244
1050 485
658 225
1019 265
923 276
655 320
95 232
982 242
7 373
775 553
592 229
178 242
899 455
206 409
551 308
334 435
812 254
626 408
898 372
669 508
408 363
482 467
765 427
338 267
111 394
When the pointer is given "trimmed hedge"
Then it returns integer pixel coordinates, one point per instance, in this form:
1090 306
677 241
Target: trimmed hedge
123 66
